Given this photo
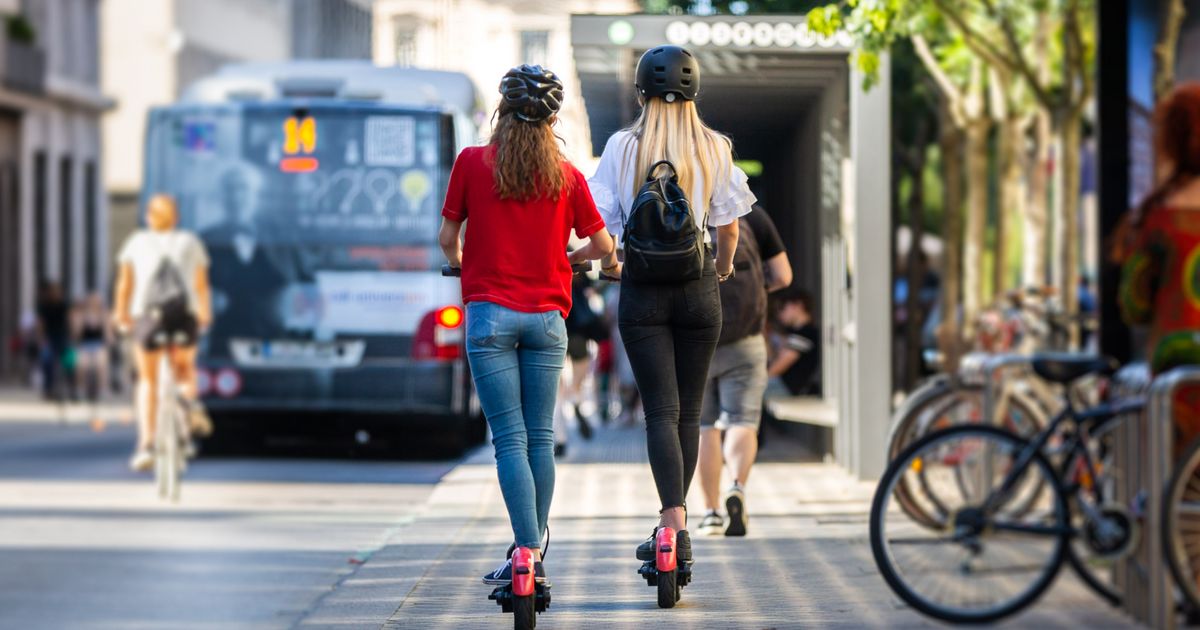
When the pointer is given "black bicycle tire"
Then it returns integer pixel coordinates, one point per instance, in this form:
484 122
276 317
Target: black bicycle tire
896 583
1186 585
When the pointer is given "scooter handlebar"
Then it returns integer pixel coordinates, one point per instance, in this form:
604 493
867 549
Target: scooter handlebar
456 272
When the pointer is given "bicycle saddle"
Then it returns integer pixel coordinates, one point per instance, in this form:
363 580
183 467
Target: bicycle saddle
1062 367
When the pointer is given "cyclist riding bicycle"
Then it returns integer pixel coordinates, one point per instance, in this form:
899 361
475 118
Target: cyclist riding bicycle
162 299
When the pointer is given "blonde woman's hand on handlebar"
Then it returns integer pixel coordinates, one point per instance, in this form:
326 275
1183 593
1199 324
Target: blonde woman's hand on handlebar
612 272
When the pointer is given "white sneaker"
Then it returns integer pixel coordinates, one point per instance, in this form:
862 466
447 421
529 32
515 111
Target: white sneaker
142 460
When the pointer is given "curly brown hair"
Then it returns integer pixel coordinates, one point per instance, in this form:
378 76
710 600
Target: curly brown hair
527 162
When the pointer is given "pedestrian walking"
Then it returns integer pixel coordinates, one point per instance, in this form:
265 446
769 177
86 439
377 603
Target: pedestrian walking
669 314
1160 246
737 377
54 340
520 200
90 329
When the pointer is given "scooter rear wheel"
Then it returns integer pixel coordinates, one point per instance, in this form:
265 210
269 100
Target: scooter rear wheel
524 615
668 588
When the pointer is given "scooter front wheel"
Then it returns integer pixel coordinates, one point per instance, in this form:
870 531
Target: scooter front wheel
668 588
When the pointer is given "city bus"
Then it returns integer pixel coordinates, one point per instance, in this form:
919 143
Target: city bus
316 187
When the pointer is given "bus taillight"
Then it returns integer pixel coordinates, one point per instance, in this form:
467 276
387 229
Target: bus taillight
450 317
440 334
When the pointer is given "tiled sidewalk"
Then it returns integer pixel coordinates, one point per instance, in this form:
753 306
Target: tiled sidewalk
806 562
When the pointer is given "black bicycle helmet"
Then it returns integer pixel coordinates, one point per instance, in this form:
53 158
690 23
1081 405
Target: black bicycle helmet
668 72
532 93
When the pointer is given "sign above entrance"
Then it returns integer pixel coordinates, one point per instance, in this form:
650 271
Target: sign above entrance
722 34
774 32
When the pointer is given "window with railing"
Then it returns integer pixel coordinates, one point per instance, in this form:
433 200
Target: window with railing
535 47
405 40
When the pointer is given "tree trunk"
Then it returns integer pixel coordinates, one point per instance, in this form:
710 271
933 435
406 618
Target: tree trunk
950 333
976 224
1036 211
1167 48
1071 149
1012 160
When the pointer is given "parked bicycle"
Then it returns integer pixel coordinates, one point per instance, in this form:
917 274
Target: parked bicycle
1007 511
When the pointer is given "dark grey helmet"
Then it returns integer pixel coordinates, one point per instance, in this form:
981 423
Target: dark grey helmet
668 72
532 93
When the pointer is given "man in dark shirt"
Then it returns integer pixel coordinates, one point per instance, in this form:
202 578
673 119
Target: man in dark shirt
796 369
737 375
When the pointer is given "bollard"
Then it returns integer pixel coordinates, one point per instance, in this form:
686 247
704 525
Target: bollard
991 375
1129 574
1151 601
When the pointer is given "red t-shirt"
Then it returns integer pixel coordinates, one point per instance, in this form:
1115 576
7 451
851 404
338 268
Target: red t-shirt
515 252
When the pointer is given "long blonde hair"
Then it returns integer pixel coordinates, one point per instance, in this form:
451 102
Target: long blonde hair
675 132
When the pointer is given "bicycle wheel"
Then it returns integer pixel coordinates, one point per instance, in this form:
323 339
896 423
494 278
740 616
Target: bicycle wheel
984 564
953 406
1181 524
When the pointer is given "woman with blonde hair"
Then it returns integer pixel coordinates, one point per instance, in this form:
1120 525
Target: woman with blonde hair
520 200
670 328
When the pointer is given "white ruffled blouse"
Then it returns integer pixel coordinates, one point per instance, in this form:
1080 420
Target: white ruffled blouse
613 188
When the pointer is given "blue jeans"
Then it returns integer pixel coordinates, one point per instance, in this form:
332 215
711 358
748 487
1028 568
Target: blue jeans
516 359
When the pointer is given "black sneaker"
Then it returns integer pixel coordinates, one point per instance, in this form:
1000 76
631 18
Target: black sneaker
735 506
503 574
645 551
560 450
713 524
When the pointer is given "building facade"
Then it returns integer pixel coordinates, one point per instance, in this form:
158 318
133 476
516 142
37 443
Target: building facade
483 39
52 206
152 50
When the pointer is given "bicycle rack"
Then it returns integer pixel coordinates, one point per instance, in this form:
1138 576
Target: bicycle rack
1143 459
991 376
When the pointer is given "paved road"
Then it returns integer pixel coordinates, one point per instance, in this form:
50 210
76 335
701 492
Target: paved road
295 543
254 543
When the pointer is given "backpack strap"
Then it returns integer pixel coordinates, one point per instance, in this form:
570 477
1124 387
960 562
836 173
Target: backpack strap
650 171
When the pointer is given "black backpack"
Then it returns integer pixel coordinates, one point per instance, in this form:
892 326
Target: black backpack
744 296
663 244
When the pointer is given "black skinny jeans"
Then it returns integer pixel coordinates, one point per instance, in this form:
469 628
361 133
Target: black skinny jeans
670 333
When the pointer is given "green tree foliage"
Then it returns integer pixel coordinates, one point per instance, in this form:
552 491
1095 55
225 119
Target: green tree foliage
732 7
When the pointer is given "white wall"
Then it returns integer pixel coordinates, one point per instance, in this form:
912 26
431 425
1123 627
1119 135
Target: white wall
137 69
482 40
252 30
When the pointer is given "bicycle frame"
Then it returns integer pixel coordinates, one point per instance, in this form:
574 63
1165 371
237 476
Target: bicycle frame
1086 421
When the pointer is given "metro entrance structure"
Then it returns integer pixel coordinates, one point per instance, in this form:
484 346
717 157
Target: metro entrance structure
792 102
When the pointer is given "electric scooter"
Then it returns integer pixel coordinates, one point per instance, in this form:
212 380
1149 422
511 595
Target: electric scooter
666 571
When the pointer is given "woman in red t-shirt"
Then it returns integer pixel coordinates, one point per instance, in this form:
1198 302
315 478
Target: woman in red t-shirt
523 199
